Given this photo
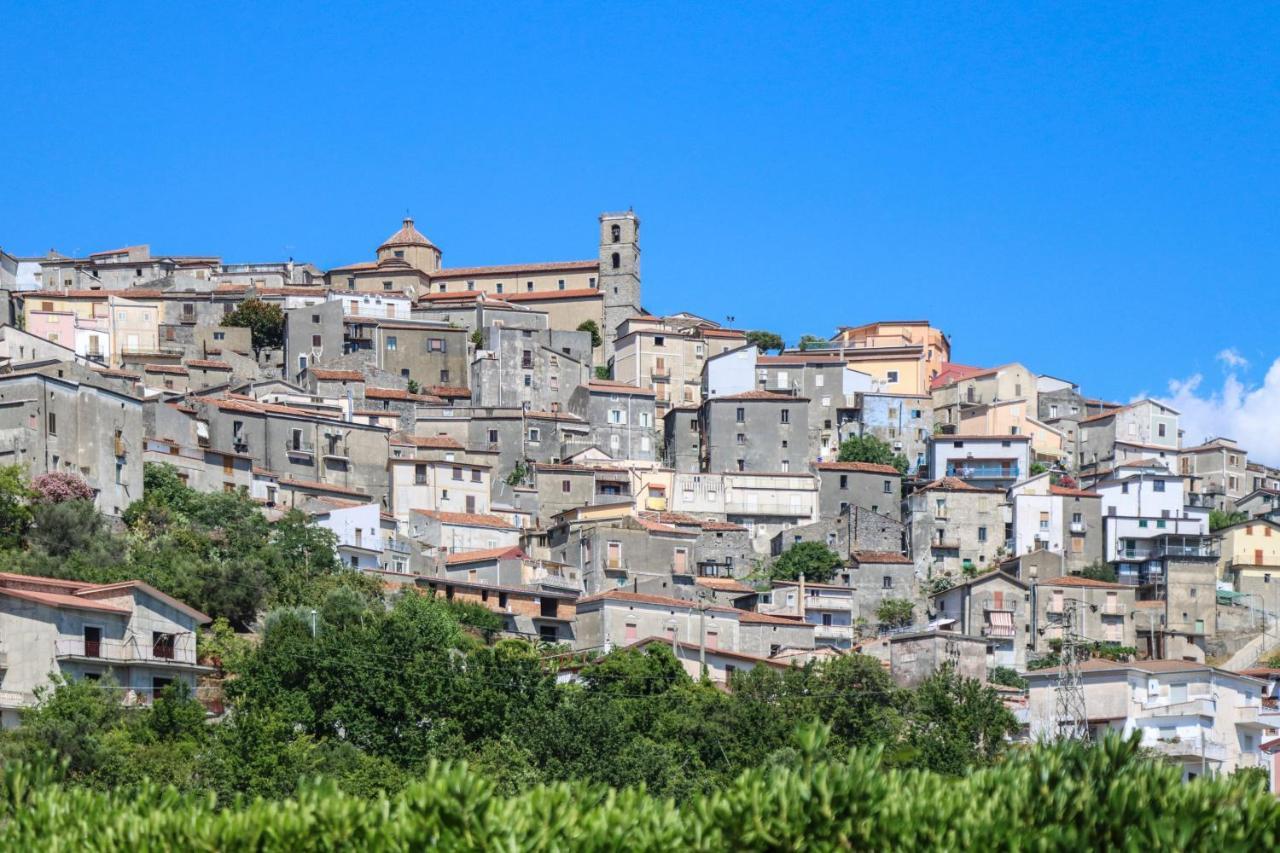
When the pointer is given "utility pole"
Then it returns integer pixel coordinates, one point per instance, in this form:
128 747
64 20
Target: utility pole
702 643
1073 720
313 623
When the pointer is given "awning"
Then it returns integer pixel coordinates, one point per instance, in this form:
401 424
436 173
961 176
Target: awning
1000 623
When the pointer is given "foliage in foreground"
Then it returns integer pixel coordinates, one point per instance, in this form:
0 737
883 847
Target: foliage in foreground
1064 797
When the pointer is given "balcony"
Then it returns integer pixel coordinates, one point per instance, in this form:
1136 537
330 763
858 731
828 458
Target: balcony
130 651
17 699
1189 748
1078 527
983 472
337 451
832 632
1112 608
945 544
300 448
1200 706
999 632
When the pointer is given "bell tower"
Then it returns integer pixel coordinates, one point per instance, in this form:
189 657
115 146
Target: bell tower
619 271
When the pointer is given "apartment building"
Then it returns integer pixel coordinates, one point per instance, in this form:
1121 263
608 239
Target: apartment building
140 637
902 421
868 485
1145 429
757 431
957 393
901 357
1250 560
612 547
994 605
1099 612
1207 720
535 370
831 609
615 617
436 472
1218 470
620 419
957 529
668 354
1060 520
764 503
981 460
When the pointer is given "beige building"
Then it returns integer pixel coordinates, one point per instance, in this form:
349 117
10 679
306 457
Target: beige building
957 393
1217 469
902 357
1250 559
1015 417
1103 612
667 354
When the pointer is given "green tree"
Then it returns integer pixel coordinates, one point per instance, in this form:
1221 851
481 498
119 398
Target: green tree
868 448
603 371
808 342
1007 677
590 326
1038 468
814 560
957 723
477 338
895 612
765 341
265 322
15 511
1099 571
1219 519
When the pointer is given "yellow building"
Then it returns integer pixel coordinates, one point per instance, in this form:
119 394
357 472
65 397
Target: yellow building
132 325
902 357
1250 555
1014 418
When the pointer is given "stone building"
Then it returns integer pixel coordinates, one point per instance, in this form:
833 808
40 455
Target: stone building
902 421
758 431
1064 521
993 605
620 418
914 657
1103 612
956 528
862 484
524 368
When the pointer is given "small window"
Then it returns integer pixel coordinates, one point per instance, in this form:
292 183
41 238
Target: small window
1157 485
888 487
786 416
616 260
891 377
615 232
391 343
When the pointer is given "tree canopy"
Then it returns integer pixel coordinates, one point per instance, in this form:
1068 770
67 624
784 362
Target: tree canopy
265 322
594 329
868 448
766 341
814 560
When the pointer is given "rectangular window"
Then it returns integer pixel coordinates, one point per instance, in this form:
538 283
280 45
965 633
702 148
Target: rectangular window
844 481
613 555
162 645
436 345
391 342
886 582
1157 485
565 486
53 424
786 416
888 487
741 415
891 376
982 534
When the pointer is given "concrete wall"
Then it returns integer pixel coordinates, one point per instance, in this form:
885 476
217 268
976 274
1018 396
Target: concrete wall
752 435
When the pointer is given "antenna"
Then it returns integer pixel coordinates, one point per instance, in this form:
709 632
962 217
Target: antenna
1073 721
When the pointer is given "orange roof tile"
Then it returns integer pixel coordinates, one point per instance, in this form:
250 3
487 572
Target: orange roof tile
883 557
486 554
549 266
773 396
859 467
619 388
470 519
645 598
337 375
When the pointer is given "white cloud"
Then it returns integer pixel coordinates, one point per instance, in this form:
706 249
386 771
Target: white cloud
1250 415
1232 358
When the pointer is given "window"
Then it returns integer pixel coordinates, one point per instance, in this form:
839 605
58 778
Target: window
534 434
844 481
742 438
92 642
391 343
53 423
529 286
615 232
786 416
616 260
888 487
1157 485
386 285
891 376
1044 521
419 472
436 345
493 436
162 645
1160 430
742 464
560 284
741 415
659 341
886 582
613 555
565 486
982 534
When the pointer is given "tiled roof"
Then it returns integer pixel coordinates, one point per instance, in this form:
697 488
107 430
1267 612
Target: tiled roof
204 364
549 266
645 598
619 388
658 527
407 236
393 394
725 585
952 372
317 486
881 557
435 442
859 467
760 395
951 484
53 599
750 617
449 391
470 519
976 437
1072 493
175 369
549 295
1075 580
116 374
337 375
486 554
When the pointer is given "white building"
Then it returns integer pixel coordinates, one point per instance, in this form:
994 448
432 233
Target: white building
1206 719
143 638
1145 518
828 607
984 461
357 526
764 503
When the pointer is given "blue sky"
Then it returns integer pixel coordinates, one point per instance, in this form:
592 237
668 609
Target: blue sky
1090 190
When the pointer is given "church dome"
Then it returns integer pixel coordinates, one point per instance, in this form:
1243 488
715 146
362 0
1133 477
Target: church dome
406 236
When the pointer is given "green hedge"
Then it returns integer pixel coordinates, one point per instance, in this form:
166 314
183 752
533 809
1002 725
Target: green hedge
1046 798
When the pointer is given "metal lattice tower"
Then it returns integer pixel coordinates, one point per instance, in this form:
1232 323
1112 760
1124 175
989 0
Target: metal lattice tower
1073 721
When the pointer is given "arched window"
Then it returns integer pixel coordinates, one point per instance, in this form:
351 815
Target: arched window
617 260
616 231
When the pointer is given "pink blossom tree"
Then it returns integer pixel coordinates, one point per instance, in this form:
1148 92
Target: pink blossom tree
59 486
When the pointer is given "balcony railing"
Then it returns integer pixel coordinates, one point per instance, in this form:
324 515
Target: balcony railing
983 472
1110 608
300 447
17 699
1077 527
128 651
1189 748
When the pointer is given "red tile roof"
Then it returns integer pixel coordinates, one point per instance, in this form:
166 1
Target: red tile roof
751 617
393 394
486 554
859 467
619 388
337 375
725 585
316 486
881 557
470 519
449 391
1072 493
175 369
644 598
951 484
505 269
1075 580
435 442
204 364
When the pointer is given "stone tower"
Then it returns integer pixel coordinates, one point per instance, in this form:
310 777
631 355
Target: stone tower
619 272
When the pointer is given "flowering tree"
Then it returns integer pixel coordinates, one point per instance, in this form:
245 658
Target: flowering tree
59 486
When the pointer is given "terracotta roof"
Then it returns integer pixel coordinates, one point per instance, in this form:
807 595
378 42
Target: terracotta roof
881 557
658 527
1072 493
175 369
337 375
800 358
691 520
406 236
952 372
859 467
1075 580
53 599
238 404
504 269
1102 415
362 265
486 554
150 590
470 519
550 295
760 395
645 598
204 364
977 437
725 585
317 486
117 374
619 387
952 484
449 391
722 333
436 442
749 617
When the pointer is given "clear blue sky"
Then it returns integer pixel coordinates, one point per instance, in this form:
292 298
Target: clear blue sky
1092 191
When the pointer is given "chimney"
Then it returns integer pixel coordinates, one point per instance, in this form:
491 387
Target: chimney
801 594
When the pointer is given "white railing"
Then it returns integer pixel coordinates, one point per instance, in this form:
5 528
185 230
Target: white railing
128 651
